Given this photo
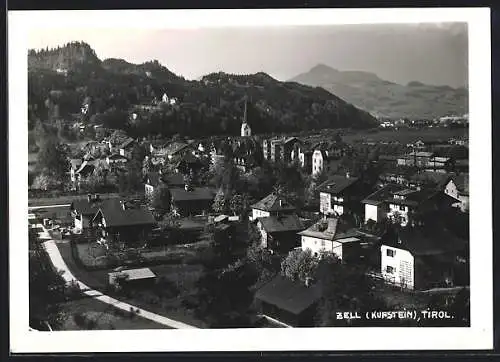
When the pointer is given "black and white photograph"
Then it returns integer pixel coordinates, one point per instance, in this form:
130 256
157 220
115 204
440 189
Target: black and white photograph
236 177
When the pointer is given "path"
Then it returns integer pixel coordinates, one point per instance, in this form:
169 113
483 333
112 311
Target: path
58 262
30 208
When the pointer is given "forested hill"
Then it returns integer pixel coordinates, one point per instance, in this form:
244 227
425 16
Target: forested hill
61 80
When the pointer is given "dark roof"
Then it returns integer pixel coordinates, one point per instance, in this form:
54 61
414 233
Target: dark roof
115 215
127 143
413 197
198 193
380 196
462 183
426 242
84 207
438 178
175 147
174 179
274 224
272 203
337 184
287 295
117 156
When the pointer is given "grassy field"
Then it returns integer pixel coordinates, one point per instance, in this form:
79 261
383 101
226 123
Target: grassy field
405 136
88 313
177 283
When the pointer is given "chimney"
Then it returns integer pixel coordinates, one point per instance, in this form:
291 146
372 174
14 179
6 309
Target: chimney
186 187
281 203
347 174
89 197
308 281
122 203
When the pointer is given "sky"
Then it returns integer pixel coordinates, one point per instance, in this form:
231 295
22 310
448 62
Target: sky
434 53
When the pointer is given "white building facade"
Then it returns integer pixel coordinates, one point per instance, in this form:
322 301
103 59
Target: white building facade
397 266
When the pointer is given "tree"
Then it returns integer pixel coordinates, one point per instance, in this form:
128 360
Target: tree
220 202
345 288
299 265
160 200
47 292
239 204
45 182
52 158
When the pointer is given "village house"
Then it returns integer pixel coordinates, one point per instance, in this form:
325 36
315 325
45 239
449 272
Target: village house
153 181
126 147
116 160
81 169
332 235
376 206
302 154
191 200
279 233
83 210
462 184
439 181
420 259
272 205
118 222
323 154
188 163
278 149
415 159
440 164
133 278
340 194
288 303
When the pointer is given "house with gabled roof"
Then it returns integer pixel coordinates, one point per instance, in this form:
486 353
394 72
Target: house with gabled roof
332 235
125 149
339 194
191 200
288 303
376 207
462 184
323 154
422 259
83 210
119 222
152 181
279 232
273 204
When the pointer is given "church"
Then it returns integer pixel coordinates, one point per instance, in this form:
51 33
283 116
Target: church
246 131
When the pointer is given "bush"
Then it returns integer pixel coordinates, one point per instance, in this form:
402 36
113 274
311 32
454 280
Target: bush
80 319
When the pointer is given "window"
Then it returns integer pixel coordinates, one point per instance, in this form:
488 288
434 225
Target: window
391 253
389 269
322 243
402 208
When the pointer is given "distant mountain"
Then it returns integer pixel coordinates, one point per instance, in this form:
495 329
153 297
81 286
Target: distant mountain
383 98
61 79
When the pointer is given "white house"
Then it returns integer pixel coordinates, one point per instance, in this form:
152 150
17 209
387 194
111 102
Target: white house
318 161
376 206
330 236
419 259
272 205
397 266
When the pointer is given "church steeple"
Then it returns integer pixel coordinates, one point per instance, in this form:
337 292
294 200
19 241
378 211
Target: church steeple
245 127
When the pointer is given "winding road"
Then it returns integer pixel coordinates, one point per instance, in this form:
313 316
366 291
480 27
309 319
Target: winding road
55 256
